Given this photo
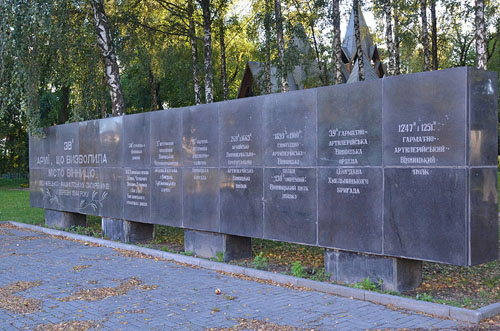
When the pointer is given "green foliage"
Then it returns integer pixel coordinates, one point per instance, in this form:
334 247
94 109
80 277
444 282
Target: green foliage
424 297
297 269
15 204
319 275
260 261
187 253
219 256
367 284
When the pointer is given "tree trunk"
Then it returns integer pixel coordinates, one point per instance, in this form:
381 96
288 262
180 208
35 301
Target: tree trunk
107 48
357 36
207 40
103 97
223 73
435 63
153 91
281 45
64 103
337 46
194 53
267 27
481 45
425 34
388 35
397 60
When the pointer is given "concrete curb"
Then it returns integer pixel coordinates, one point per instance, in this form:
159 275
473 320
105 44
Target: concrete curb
461 314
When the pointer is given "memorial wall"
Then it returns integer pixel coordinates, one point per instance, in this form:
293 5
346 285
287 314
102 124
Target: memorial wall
402 166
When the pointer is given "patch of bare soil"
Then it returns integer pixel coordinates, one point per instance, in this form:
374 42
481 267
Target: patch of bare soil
67 326
78 268
102 293
258 325
16 303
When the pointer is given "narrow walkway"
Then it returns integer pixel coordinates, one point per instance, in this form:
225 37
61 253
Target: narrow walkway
48 281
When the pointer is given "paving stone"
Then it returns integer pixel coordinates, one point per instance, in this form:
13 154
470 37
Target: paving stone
183 299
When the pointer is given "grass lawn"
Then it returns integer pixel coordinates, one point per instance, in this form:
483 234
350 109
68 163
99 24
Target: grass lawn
459 286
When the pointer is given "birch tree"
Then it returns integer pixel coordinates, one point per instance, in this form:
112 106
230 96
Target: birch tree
357 36
107 48
388 36
425 34
481 44
194 52
281 45
435 62
337 46
207 46
267 36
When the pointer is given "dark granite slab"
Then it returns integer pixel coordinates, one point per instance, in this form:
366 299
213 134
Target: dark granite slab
111 141
136 140
200 138
483 110
166 196
241 132
350 124
166 138
425 214
290 199
483 215
137 196
201 199
241 201
425 118
350 207
290 129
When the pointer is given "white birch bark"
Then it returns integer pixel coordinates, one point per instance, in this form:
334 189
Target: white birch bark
337 46
281 45
481 45
107 48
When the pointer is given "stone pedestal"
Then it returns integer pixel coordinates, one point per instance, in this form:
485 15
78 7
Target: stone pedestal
63 219
396 274
127 231
208 244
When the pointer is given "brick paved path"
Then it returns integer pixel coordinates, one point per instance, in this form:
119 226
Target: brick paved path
148 294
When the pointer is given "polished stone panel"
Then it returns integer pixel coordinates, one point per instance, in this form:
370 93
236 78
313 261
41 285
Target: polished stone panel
290 129
201 199
137 186
166 196
39 149
136 140
166 138
350 207
111 140
425 118
350 124
425 214
66 148
61 187
483 215
241 132
111 192
241 201
483 109
290 199
88 135
200 138
36 187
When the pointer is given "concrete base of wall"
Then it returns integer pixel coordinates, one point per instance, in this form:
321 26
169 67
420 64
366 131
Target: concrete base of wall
208 244
64 219
396 274
127 231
